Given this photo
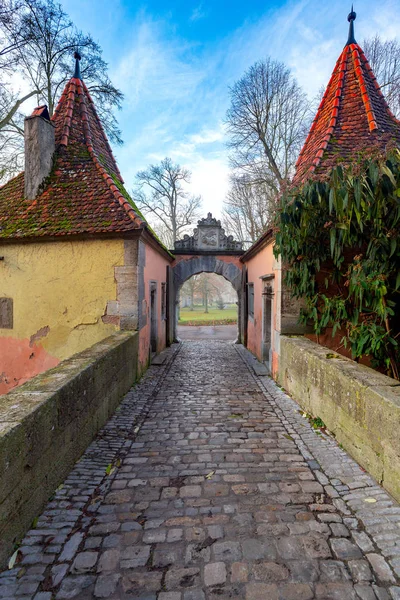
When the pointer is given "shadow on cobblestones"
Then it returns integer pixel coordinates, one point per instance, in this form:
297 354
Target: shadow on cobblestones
208 484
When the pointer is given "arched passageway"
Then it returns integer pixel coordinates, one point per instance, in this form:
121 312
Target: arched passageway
209 250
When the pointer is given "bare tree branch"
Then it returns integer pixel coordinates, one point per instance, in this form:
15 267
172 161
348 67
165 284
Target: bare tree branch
384 58
37 38
267 122
248 208
161 192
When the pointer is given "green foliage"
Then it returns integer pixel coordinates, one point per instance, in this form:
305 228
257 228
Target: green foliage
339 241
220 304
317 423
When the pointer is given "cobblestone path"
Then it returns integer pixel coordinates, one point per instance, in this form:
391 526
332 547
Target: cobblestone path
209 484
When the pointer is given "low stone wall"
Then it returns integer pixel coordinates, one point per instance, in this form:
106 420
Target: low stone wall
47 423
360 406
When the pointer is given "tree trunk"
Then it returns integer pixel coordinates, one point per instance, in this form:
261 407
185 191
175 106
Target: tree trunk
206 298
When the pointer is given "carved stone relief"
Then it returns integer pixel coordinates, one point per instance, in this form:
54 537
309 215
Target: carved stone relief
209 235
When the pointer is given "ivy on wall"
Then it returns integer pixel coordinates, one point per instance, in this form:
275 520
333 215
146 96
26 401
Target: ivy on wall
339 240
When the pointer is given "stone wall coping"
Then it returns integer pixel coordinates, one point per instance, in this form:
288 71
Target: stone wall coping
360 406
48 422
54 379
364 375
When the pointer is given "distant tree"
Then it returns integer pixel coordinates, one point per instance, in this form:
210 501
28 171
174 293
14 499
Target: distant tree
37 40
204 287
248 208
384 58
163 233
220 303
161 193
267 122
189 288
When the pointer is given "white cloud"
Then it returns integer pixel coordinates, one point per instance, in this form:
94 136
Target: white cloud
198 13
210 178
155 68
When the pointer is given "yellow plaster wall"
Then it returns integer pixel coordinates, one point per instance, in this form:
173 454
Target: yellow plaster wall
62 286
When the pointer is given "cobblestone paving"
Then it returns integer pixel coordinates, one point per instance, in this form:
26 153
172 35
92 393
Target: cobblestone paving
209 484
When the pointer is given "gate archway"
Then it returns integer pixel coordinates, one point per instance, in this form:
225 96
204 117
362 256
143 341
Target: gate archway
208 250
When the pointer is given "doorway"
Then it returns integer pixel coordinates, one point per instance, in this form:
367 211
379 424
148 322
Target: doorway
153 317
267 294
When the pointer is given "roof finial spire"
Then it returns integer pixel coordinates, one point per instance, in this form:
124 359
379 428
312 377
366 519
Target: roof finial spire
351 18
77 73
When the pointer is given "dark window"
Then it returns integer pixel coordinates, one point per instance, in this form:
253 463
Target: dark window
6 313
163 301
250 299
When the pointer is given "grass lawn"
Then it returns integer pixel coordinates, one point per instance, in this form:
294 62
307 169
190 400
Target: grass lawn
214 315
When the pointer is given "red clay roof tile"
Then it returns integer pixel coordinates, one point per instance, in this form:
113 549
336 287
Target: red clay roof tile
84 192
353 116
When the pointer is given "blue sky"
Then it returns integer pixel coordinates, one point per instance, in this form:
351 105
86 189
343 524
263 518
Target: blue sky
175 62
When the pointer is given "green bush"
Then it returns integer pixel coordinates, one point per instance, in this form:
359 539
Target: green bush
339 241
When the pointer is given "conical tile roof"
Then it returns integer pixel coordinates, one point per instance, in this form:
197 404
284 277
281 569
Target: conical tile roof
84 192
353 116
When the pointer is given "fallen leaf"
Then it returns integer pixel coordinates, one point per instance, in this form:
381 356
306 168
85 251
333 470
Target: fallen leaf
210 474
97 499
370 500
13 559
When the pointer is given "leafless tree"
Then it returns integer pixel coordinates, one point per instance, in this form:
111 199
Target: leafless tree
384 58
267 123
163 233
189 288
10 44
37 40
248 208
161 193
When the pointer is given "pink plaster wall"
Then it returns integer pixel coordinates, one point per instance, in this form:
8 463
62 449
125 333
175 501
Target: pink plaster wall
257 266
155 270
20 360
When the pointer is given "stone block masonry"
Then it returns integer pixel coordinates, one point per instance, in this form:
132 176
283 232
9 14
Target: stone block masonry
360 406
47 423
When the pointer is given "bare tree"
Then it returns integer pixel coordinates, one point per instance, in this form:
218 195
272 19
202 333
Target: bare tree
267 122
10 44
384 58
161 193
11 137
248 208
189 288
163 233
37 39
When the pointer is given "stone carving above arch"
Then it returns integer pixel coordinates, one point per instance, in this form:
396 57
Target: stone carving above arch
209 236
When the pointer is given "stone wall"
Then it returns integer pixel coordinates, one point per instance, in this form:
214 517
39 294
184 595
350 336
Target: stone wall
358 405
47 423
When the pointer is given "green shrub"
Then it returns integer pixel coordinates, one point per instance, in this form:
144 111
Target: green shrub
339 241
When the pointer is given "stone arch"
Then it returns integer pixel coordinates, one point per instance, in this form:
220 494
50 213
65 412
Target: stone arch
186 267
